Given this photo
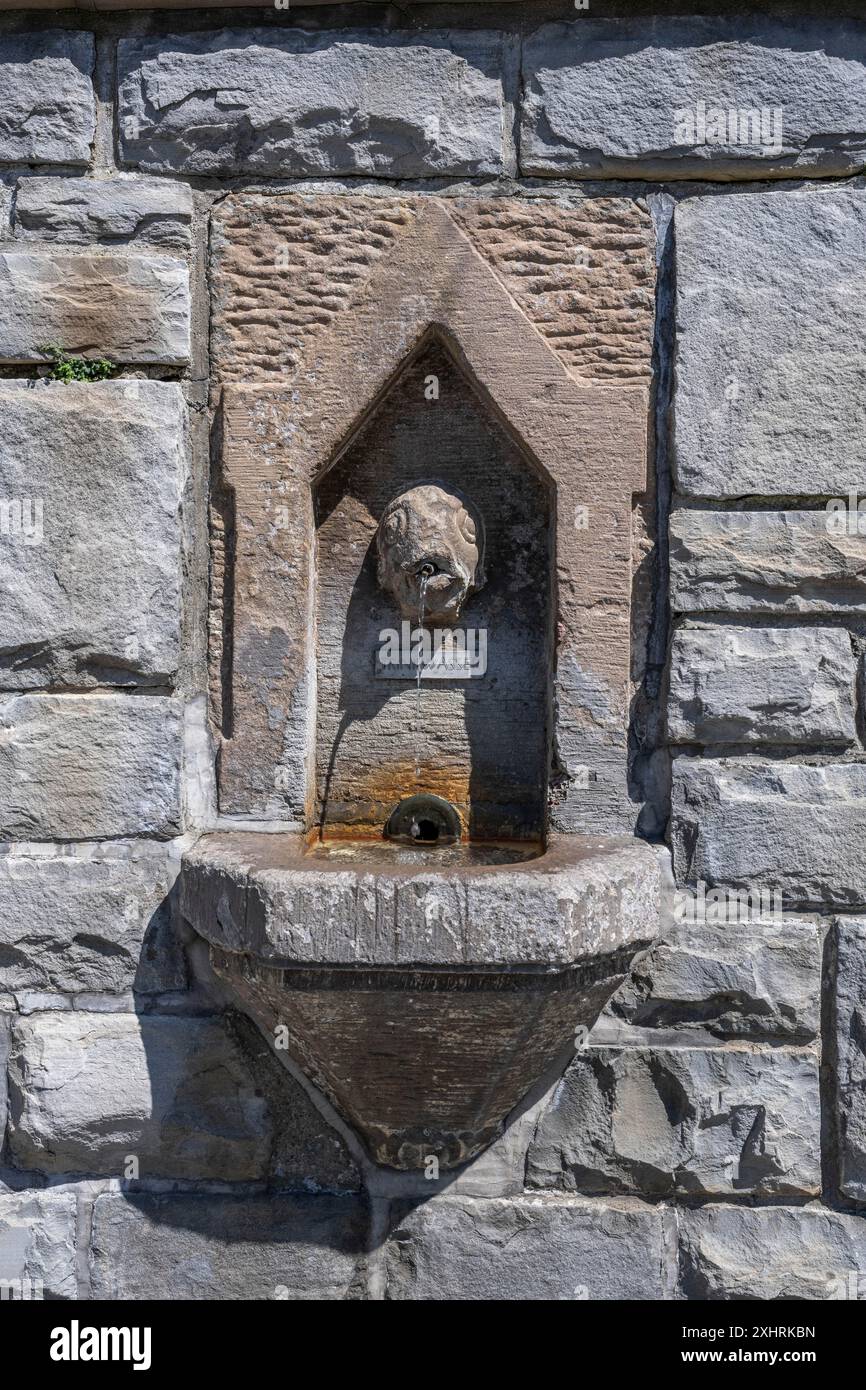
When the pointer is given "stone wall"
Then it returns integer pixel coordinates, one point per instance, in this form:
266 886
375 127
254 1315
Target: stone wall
709 1141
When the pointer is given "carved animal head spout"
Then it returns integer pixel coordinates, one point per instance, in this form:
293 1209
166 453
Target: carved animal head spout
431 532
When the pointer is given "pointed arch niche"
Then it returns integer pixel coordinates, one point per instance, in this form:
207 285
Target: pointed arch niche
309 464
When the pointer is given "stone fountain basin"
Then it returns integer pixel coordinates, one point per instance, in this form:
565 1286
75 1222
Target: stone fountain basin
425 993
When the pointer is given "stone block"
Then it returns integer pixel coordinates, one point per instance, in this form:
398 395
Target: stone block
764 563
98 920
686 98
154 212
89 766
398 105
233 1248
37 1244
850 1074
526 1249
659 1122
791 828
771 1253
130 308
4 1057
762 685
750 979
47 97
88 1092
92 574
771 311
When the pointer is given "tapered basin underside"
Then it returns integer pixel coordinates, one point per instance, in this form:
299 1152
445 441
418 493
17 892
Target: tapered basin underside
424 999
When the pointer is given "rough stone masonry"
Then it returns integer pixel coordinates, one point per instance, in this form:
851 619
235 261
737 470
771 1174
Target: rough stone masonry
674 202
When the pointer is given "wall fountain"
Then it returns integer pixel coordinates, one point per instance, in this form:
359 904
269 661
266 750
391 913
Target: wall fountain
417 633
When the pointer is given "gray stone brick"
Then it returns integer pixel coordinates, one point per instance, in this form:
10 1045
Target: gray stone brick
788 827
771 311
89 766
660 1122
751 979
764 563
37 1243
155 212
626 98
47 98
526 1249
762 685
851 1055
261 102
232 1248
92 578
98 920
731 1252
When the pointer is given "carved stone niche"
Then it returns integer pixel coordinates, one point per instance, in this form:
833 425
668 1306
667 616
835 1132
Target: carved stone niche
424 990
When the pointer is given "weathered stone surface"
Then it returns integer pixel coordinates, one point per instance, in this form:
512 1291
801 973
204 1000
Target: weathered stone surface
308 1154
764 562
665 1121
88 1090
850 1077
104 211
732 1252
783 826
206 1247
47 98
4 1055
530 1249
762 685
284 266
770 376
625 98
92 579
265 895
749 979
434 275
95 921
126 307
89 766
37 1243
262 102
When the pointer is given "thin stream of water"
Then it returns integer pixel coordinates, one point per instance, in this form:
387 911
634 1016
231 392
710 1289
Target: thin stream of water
421 601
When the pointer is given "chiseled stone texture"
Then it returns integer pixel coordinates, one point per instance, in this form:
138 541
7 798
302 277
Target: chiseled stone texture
155 212
238 101
234 1248
770 1253
749 979
46 97
607 98
4 1056
130 308
89 766
86 1090
664 1121
92 580
851 1055
284 266
95 921
37 1242
791 827
526 1249
771 313
762 685
764 563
